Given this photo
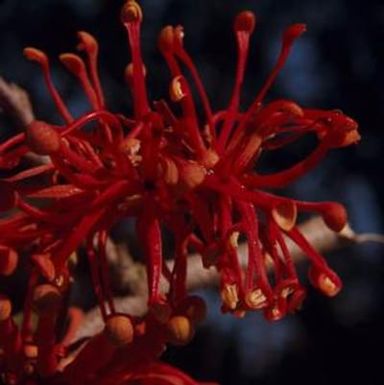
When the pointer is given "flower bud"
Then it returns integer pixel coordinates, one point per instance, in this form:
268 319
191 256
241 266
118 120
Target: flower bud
334 215
255 299
119 329
42 138
180 330
176 91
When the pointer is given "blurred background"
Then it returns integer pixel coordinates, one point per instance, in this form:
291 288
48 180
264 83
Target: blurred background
336 64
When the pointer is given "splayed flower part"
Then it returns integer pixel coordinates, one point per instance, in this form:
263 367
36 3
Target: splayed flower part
195 177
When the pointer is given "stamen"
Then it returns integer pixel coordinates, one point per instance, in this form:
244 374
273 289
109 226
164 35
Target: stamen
131 16
40 57
180 92
186 59
255 299
229 296
89 44
285 215
76 66
244 26
292 33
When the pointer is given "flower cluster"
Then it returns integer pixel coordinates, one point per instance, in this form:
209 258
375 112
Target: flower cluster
167 168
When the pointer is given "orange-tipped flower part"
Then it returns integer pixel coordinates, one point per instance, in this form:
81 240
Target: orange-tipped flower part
73 63
131 12
285 215
87 42
5 308
166 39
192 174
8 260
325 280
119 329
42 138
180 330
245 21
46 298
35 54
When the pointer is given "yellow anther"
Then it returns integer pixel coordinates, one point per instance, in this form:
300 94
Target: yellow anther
192 174
5 308
166 39
170 172
72 62
256 299
180 330
285 215
42 138
229 296
35 54
131 12
176 91
327 286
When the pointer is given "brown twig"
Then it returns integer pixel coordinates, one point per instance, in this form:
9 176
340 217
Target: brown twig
323 239
15 103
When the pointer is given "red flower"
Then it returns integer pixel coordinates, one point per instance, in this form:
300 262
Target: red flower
195 177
